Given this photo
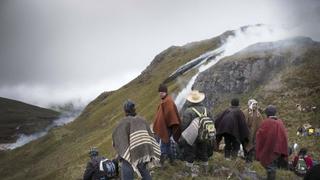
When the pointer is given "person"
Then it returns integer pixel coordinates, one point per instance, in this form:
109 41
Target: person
92 171
199 149
302 167
253 120
166 124
271 143
232 126
134 144
313 173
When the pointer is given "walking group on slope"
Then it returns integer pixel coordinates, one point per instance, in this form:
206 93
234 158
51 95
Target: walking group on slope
196 133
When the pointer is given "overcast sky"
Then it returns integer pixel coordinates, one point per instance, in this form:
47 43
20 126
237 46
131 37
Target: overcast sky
52 51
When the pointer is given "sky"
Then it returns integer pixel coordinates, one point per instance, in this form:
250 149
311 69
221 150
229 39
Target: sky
55 51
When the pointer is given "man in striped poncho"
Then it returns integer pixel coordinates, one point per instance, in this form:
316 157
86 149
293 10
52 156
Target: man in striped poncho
135 144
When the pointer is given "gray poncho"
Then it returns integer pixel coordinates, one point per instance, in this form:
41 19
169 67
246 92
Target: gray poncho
134 142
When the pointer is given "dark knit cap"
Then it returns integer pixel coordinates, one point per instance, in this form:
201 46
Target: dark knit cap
93 152
271 110
235 102
163 88
129 107
303 151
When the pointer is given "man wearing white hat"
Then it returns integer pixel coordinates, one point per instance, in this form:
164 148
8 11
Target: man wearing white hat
199 149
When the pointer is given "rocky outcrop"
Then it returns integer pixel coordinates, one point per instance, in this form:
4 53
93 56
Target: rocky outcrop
254 66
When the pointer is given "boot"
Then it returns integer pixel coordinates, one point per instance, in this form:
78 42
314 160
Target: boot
227 154
163 158
204 168
271 175
187 169
234 154
195 171
171 160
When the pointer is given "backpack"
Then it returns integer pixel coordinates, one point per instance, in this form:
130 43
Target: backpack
105 168
301 167
206 126
311 131
190 134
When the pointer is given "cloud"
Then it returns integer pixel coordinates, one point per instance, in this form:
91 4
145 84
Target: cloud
59 45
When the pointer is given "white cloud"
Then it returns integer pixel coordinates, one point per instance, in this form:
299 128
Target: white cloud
65 46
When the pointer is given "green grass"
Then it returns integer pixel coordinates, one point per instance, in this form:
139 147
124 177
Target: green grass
62 154
18 117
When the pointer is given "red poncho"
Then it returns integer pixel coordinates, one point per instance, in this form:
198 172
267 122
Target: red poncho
271 141
167 117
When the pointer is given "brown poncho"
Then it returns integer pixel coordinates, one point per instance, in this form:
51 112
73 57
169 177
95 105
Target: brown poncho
253 120
167 117
134 142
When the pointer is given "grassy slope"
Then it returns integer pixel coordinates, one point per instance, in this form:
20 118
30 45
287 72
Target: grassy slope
27 117
293 85
62 154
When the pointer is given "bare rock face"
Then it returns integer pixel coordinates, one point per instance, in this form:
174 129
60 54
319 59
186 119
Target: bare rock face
256 65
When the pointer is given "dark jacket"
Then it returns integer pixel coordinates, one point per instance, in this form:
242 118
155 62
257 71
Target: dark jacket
232 121
189 114
313 173
199 150
91 172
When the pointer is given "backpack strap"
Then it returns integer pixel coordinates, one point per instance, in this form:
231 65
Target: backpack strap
205 112
198 113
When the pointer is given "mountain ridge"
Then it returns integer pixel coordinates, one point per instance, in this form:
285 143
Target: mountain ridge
62 154
17 117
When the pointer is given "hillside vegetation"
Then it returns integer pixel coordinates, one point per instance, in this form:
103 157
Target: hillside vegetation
62 154
21 118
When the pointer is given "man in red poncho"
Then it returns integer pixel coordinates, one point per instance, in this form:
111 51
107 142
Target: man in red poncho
166 124
271 143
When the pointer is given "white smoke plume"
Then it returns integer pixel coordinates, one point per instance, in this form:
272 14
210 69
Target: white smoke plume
242 39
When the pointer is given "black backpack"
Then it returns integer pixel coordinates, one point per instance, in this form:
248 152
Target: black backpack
105 169
207 130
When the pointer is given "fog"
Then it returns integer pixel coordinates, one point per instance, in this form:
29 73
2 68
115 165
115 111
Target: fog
55 51
232 45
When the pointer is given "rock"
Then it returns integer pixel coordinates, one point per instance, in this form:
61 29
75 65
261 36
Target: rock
247 70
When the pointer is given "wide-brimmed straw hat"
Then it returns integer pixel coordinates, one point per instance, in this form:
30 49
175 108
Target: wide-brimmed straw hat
195 96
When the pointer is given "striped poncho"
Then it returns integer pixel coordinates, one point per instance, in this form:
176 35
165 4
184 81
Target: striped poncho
134 142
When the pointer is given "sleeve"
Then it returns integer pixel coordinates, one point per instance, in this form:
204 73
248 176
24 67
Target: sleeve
309 162
88 172
186 119
295 160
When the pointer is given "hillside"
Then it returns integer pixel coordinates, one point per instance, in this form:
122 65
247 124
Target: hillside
62 154
21 118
